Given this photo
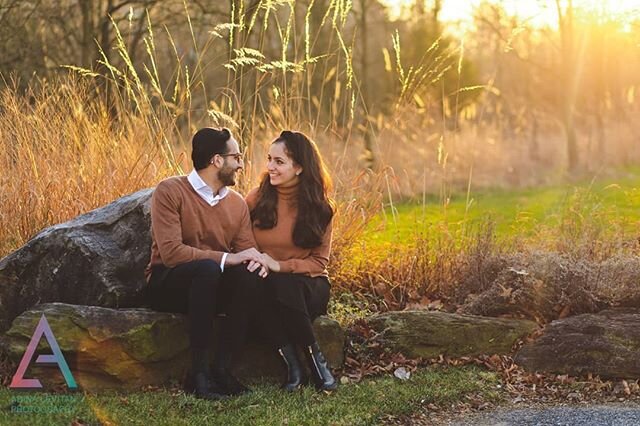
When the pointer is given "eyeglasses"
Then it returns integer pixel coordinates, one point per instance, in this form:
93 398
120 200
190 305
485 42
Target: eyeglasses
238 157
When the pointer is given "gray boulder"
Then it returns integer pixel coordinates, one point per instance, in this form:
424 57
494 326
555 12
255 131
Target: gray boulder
606 344
130 348
97 258
429 334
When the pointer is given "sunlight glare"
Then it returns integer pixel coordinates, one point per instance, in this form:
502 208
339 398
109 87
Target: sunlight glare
537 13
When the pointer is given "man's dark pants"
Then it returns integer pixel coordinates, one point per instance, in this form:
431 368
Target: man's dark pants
201 290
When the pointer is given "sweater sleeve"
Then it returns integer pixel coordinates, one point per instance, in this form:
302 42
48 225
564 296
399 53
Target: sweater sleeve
252 198
244 239
167 230
315 263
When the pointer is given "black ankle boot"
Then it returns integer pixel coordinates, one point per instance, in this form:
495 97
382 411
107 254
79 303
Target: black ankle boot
222 375
320 372
295 373
198 380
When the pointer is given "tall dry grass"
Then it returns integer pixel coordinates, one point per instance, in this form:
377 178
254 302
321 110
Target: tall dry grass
65 151
83 139
89 136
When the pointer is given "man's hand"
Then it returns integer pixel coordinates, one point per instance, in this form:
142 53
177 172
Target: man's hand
266 261
253 257
243 256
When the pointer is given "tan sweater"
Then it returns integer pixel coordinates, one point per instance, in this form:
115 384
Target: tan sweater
277 242
185 228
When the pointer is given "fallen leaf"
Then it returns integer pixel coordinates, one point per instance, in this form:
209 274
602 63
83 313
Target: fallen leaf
402 373
506 292
565 312
518 272
436 305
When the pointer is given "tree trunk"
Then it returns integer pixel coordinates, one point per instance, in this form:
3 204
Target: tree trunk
105 30
568 80
86 11
364 86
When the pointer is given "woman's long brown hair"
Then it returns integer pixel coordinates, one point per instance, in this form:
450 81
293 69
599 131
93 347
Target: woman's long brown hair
315 208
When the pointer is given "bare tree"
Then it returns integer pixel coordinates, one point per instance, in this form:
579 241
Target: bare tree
569 79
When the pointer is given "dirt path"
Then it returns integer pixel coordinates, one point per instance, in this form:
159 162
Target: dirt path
556 414
560 415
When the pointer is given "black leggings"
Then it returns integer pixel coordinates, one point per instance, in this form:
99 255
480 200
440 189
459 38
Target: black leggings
294 301
201 290
291 326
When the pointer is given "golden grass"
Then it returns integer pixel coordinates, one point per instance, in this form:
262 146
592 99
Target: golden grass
64 152
67 150
75 143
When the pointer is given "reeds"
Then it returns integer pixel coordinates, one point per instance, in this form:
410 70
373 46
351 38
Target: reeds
88 136
64 153
85 138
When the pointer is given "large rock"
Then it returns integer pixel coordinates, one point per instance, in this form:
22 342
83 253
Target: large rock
97 258
259 360
429 334
606 344
129 348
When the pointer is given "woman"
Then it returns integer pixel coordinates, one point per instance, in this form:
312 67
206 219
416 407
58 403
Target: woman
291 216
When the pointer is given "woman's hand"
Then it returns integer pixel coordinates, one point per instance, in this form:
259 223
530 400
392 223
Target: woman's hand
254 264
253 257
271 263
265 262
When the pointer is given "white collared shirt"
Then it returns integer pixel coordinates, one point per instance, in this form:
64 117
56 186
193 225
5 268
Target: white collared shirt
206 193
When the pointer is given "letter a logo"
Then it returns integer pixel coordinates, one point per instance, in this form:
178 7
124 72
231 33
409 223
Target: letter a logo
19 381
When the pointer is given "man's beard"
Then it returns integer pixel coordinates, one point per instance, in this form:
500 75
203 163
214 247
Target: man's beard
226 175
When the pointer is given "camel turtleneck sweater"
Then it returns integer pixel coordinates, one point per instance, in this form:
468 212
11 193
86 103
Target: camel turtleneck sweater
277 242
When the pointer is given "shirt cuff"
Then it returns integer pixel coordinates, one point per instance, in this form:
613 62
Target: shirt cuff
224 257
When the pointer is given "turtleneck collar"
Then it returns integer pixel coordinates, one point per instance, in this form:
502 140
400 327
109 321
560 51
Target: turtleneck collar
288 193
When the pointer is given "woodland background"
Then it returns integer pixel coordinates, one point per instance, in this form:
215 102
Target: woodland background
417 117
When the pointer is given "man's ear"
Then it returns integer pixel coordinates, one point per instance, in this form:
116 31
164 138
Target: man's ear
217 161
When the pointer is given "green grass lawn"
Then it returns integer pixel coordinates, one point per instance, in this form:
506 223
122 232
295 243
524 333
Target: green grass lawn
520 213
353 404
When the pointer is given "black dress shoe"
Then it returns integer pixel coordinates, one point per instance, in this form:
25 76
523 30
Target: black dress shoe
221 373
198 382
228 384
296 375
320 373
201 387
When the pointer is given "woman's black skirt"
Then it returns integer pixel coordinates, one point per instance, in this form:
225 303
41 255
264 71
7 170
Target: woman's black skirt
301 292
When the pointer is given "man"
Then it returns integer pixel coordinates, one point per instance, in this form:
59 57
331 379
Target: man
203 257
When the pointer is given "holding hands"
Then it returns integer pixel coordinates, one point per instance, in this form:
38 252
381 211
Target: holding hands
270 263
255 260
